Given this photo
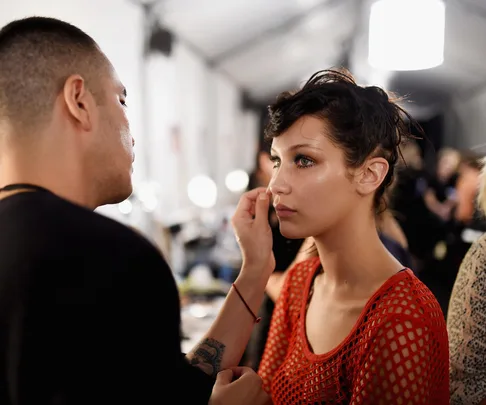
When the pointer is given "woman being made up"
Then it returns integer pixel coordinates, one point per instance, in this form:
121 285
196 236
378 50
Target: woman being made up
351 326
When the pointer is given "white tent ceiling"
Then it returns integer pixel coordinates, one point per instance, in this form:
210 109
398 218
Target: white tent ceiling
267 46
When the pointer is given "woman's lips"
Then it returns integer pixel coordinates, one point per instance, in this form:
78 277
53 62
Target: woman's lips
283 211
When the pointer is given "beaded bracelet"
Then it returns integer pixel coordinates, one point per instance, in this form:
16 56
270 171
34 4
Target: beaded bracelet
257 319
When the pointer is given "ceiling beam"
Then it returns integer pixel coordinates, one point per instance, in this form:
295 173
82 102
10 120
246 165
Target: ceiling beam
271 32
471 7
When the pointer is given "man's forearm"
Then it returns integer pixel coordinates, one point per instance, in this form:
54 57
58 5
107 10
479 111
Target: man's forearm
224 343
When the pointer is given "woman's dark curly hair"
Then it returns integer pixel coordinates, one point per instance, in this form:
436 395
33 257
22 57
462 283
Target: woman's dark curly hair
364 121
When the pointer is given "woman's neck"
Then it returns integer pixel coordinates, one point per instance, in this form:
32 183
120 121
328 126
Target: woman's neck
353 255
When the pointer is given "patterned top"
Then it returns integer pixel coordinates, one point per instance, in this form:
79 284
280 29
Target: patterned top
397 352
466 323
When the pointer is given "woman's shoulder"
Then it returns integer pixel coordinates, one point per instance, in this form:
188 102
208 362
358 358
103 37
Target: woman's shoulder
405 298
469 286
476 255
471 275
405 314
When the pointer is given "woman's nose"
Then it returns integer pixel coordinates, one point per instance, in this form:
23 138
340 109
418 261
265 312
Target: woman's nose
278 185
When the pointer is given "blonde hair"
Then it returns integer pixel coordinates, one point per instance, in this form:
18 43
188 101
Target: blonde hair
448 151
482 187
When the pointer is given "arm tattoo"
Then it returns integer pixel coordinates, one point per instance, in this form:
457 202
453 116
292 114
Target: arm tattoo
207 356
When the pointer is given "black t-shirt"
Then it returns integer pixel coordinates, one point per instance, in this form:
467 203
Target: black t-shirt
89 311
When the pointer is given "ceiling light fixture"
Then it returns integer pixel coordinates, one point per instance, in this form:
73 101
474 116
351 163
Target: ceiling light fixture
406 34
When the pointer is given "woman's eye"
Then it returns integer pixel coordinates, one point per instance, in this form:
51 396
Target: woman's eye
275 162
123 103
303 162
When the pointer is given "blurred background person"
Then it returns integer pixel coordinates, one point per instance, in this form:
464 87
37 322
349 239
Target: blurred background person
457 232
440 194
407 204
466 320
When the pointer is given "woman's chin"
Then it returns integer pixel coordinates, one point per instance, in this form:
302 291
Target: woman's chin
290 232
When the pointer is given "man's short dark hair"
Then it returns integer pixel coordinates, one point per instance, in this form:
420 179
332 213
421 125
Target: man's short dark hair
37 55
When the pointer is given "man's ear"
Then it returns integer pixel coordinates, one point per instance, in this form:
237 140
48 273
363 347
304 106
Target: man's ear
79 101
371 175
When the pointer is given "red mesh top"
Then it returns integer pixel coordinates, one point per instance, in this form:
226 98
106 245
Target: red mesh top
397 353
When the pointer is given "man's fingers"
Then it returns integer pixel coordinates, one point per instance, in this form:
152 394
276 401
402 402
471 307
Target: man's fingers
246 374
239 371
224 377
227 376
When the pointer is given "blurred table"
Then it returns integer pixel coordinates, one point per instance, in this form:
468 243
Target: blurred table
197 315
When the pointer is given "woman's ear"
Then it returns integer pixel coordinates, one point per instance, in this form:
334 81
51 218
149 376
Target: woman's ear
373 172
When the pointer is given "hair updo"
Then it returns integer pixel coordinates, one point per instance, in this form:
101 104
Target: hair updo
364 121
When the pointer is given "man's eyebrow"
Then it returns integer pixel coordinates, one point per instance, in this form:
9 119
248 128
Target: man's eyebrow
124 92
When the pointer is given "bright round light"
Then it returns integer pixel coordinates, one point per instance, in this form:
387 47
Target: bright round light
393 45
237 181
147 194
202 191
150 204
125 207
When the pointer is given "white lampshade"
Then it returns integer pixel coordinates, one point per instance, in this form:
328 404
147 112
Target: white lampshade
406 34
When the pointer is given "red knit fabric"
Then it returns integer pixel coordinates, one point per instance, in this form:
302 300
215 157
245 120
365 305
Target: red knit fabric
397 353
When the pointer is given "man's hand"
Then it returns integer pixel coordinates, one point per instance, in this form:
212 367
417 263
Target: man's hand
239 386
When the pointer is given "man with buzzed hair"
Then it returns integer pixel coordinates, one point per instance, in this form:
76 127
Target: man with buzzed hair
89 309
35 65
41 62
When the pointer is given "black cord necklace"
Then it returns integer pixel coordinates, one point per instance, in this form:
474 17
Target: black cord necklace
23 186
